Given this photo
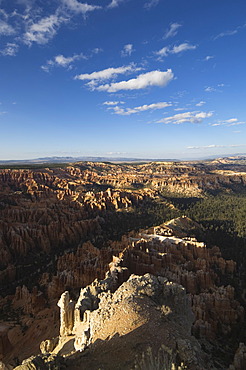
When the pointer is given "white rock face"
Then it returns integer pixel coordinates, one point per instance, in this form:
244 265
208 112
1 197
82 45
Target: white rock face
66 314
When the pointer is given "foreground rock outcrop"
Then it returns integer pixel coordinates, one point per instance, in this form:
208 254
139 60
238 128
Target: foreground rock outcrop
127 321
158 284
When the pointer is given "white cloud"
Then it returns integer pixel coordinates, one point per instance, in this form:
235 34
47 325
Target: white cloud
205 146
163 52
127 50
47 67
182 47
2 113
62 61
172 31
10 49
230 32
208 57
65 61
192 117
213 89
114 3
151 4
6 29
226 33
209 89
142 108
77 7
107 73
212 146
200 104
3 13
229 122
115 153
97 50
110 103
44 30
179 109
175 50
153 78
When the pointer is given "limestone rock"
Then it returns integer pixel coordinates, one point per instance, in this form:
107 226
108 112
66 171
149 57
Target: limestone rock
129 317
47 217
48 345
66 314
42 362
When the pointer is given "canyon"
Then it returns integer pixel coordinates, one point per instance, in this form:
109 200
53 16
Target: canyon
86 275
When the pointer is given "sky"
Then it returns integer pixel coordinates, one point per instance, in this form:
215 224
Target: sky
122 78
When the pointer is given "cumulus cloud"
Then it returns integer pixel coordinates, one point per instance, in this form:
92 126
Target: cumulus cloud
10 49
6 29
142 108
153 78
172 31
175 49
114 3
44 30
77 7
163 52
61 61
192 117
41 30
200 104
107 73
229 122
127 50
110 103
65 61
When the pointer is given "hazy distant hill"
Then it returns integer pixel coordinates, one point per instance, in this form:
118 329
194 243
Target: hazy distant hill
82 159
228 158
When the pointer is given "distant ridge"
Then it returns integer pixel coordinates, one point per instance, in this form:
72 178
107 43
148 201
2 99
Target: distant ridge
83 159
116 159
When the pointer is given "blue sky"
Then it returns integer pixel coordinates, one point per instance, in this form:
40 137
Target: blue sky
122 78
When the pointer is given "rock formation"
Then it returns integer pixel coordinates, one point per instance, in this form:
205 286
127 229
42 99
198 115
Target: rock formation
130 316
144 291
66 314
54 237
